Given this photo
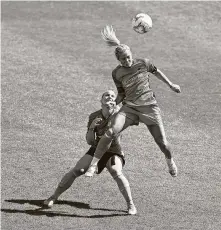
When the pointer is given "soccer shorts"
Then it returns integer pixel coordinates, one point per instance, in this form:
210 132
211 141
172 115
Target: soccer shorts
104 159
147 114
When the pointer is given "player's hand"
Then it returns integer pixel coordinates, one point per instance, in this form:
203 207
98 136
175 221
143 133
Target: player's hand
95 122
175 88
111 104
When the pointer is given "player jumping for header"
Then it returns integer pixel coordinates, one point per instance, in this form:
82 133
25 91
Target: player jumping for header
131 78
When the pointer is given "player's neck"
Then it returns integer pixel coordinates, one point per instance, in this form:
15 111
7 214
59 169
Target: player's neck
106 112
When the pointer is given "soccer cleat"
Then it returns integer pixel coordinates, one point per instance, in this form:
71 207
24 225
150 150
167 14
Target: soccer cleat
91 170
49 202
172 167
132 209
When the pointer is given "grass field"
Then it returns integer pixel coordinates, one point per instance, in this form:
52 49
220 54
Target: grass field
54 67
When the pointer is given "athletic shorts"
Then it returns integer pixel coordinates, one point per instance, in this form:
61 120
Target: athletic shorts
104 159
147 114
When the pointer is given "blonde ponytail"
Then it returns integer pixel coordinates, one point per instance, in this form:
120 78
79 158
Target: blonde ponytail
109 36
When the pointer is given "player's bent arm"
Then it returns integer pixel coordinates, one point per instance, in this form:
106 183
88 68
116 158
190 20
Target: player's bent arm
160 75
92 123
90 136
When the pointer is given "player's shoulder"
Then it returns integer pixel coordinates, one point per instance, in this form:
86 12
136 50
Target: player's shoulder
145 61
148 65
95 114
114 72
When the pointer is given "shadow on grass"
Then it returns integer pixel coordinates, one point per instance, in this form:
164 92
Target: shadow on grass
42 211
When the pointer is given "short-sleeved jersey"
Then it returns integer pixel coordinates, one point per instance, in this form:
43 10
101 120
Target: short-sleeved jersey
134 82
102 128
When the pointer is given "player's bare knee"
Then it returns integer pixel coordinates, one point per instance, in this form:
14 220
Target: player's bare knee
121 181
110 133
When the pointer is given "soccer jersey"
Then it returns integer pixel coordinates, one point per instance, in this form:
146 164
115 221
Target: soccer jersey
102 128
134 82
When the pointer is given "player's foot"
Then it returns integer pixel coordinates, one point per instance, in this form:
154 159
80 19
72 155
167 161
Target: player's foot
49 202
91 170
172 167
132 209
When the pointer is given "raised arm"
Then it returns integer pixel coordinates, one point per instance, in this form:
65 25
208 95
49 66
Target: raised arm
160 75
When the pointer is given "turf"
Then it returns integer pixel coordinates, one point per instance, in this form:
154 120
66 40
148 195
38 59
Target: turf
55 66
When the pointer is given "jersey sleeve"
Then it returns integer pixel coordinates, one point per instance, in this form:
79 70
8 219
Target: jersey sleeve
118 84
150 66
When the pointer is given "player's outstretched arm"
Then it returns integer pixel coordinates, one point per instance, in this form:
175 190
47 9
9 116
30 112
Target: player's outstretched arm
160 75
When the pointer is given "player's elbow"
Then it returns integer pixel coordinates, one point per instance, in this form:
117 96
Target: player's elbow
90 140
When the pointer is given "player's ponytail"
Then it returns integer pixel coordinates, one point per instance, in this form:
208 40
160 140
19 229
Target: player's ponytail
109 36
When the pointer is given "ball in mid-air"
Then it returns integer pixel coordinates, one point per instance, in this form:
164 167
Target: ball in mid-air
142 23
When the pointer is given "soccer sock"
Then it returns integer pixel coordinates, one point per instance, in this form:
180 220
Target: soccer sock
64 184
170 161
124 188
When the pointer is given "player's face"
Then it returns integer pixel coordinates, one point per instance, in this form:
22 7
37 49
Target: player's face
108 99
108 96
126 59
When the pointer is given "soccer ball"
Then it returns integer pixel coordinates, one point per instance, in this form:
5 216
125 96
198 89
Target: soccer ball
142 23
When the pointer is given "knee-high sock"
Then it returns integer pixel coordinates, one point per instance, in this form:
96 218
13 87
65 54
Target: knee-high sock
166 149
65 183
124 188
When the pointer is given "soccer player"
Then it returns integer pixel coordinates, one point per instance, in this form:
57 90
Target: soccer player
131 78
113 160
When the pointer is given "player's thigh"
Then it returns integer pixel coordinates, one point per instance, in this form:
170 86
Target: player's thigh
114 165
121 122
